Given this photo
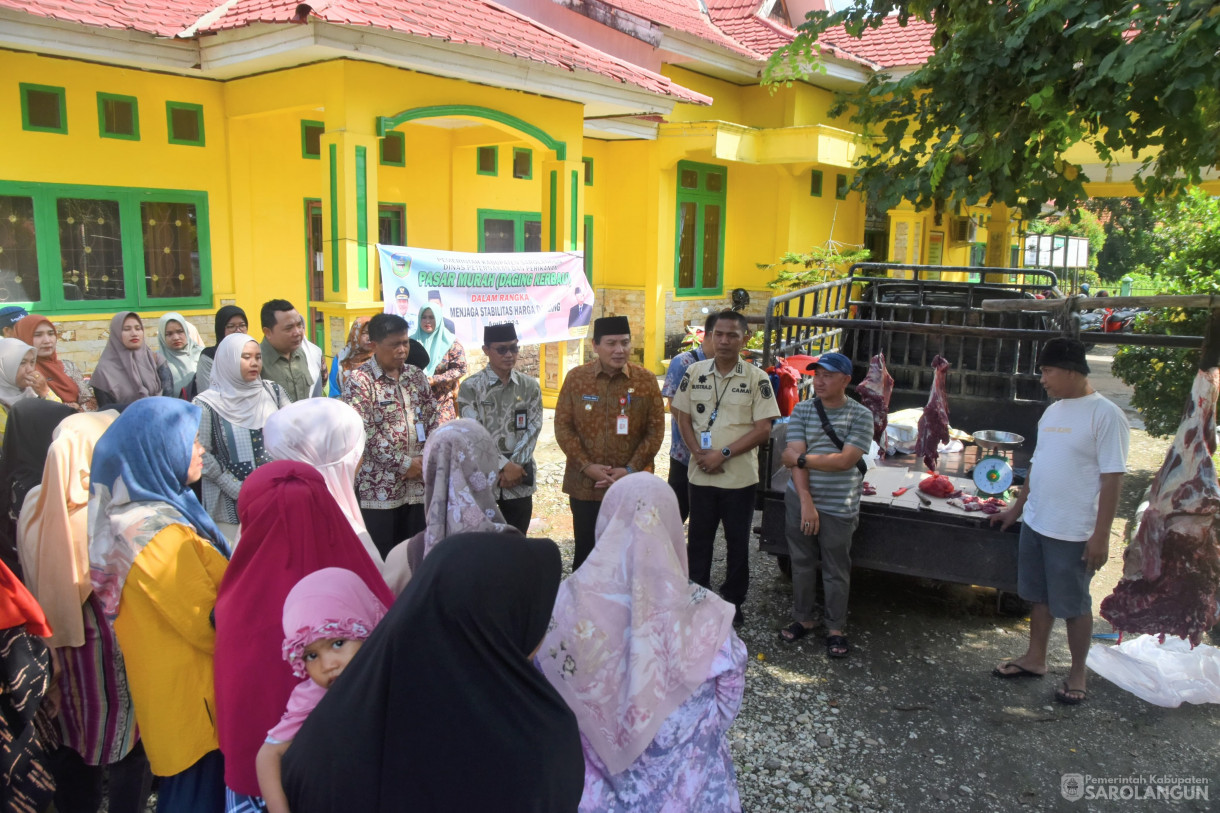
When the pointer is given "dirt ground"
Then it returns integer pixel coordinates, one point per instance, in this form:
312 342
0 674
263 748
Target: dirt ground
913 719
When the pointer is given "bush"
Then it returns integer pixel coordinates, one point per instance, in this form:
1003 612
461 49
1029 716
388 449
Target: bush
1188 240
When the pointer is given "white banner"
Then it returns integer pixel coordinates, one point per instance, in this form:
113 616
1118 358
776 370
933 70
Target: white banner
544 294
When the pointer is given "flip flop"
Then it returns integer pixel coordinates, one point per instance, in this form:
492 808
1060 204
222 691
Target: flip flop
836 646
1067 696
1020 673
796 631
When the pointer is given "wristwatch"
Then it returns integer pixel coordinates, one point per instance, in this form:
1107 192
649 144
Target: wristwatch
727 452
800 462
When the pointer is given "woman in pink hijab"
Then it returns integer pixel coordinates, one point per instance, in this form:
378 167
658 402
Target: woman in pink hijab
648 662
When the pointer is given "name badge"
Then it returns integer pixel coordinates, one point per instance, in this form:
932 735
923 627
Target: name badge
519 418
591 397
705 440
390 402
421 434
621 425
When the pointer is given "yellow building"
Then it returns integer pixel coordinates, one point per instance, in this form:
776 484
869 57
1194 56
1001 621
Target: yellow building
208 152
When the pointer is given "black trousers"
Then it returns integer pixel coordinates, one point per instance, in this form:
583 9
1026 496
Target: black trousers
389 526
518 512
584 527
679 482
709 507
78 786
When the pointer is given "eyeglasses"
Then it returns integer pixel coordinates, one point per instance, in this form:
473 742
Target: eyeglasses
510 350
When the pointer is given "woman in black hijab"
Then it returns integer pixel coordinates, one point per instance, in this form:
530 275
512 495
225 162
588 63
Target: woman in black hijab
441 709
23 455
229 319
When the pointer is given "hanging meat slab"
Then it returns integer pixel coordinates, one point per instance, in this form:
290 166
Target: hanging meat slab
875 392
1171 570
933 427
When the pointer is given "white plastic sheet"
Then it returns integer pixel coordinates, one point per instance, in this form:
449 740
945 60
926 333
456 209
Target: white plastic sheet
1167 674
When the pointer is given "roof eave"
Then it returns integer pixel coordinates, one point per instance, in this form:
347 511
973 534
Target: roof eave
116 46
262 47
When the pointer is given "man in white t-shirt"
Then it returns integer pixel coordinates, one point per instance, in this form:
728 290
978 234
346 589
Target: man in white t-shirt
1066 510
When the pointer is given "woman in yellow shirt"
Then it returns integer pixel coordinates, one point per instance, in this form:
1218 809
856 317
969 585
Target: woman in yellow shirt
156 560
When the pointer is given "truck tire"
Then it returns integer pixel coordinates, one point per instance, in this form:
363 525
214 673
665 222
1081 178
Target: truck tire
1012 604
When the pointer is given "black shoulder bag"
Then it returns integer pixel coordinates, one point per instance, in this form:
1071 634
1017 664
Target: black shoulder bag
861 466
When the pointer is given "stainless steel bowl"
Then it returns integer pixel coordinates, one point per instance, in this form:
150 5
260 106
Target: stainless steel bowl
995 439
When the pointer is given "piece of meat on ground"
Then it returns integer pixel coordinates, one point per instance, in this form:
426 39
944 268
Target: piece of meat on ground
1171 570
933 427
875 392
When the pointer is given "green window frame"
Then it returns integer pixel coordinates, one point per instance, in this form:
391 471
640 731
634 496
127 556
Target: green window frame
589 250
311 138
392 224
519 220
815 183
841 187
27 124
588 171
395 140
107 114
134 253
176 110
702 191
479 153
528 154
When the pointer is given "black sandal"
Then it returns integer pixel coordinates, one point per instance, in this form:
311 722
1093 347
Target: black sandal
836 646
796 631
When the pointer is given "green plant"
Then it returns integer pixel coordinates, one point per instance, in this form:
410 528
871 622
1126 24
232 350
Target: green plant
820 264
1011 88
692 339
1188 239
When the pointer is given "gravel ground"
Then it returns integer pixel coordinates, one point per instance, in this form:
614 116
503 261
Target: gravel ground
913 720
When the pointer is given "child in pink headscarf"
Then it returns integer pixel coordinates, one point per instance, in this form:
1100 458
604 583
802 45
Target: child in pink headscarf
327 616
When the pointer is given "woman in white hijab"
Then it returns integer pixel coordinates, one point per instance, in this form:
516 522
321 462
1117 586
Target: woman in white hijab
236 407
181 345
17 366
329 435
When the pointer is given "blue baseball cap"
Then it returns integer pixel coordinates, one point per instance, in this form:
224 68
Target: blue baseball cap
835 362
11 315
402 291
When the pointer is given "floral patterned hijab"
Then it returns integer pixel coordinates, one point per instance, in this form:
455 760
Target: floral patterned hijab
461 466
631 637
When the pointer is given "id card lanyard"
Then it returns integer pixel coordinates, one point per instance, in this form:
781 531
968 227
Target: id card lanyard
705 437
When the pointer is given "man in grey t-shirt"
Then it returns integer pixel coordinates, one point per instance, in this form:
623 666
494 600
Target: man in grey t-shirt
823 499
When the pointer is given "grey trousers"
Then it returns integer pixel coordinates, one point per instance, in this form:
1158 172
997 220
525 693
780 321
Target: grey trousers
831 546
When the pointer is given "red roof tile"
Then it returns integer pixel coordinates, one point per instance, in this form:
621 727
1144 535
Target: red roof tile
479 23
684 16
732 24
160 18
890 45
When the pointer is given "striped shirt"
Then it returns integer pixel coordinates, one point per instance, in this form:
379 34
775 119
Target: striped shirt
834 492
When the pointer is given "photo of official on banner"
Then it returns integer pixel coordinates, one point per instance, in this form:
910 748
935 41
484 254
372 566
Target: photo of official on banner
545 295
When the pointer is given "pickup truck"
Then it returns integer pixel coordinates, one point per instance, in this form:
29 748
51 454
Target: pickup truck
911 314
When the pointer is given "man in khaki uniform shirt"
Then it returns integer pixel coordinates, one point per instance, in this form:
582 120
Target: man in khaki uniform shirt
724 408
509 406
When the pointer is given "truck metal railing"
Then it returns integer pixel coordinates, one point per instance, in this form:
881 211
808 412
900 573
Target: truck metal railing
916 316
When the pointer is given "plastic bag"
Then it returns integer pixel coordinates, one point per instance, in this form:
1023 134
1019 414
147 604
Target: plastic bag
1167 674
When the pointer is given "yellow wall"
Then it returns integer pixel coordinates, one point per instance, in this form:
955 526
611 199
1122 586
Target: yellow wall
82 156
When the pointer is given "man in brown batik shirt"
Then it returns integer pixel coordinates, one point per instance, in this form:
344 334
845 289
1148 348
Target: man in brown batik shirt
609 421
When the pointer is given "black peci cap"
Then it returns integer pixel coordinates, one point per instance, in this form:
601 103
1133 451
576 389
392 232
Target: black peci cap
611 326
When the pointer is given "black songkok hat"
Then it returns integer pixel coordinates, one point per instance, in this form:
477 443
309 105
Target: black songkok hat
417 356
610 326
1067 354
499 333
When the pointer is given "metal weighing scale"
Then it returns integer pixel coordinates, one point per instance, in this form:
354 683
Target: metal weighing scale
993 472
